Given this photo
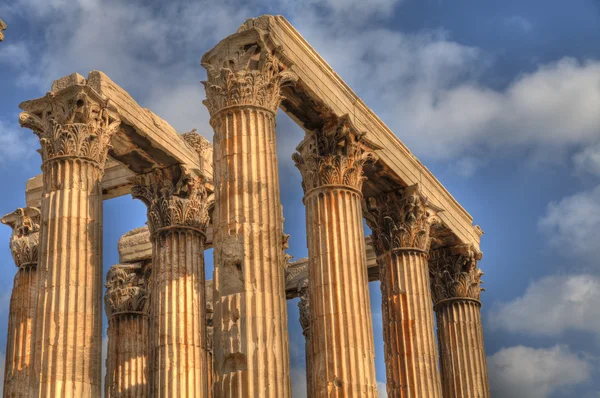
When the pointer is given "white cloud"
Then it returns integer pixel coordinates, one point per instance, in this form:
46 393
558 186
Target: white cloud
551 306
381 389
572 223
15 54
298 377
16 143
588 160
424 85
525 372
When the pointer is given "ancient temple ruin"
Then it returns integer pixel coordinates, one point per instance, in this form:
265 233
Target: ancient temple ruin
172 332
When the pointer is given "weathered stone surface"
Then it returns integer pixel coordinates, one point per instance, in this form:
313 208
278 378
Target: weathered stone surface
2 29
24 240
401 223
319 90
75 126
126 305
456 287
250 314
341 347
177 203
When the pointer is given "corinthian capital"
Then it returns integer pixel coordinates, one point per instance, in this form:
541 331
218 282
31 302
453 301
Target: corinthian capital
24 240
75 122
454 273
400 220
333 155
175 199
244 72
126 290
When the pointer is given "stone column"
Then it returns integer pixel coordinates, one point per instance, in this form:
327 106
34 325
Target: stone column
304 307
331 163
126 305
177 218
75 126
251 355
24 240
400 222
455 285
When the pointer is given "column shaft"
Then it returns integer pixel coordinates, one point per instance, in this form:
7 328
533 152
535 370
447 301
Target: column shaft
75 125
341 327
21 314
126 305
463 361
251 356
127 356
68 331
456 288
401 222
410 348
177 325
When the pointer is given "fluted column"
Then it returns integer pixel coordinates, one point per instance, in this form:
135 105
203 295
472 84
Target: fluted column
304 307
25 223
126 305
75 126
177 218
455 286
342 350
251 357
400 222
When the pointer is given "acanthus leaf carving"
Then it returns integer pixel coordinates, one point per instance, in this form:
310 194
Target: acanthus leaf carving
250 75
454 273
174 198
74 122
126 290
400 220
334 155
24 240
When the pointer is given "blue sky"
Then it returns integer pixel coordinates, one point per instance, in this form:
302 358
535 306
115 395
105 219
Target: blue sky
501 100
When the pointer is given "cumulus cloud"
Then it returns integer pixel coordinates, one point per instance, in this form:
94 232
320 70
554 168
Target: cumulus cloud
298 376
588 160
424 85
551 306
572 223
525 372
16 143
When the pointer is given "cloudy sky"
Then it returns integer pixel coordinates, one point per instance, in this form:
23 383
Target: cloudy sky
500 99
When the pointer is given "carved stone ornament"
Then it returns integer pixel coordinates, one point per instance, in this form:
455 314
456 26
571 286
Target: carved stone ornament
174 198
24 240
249 75
126 290
335 155
304 307
400 220
74 122
454 273
2 28
197 142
